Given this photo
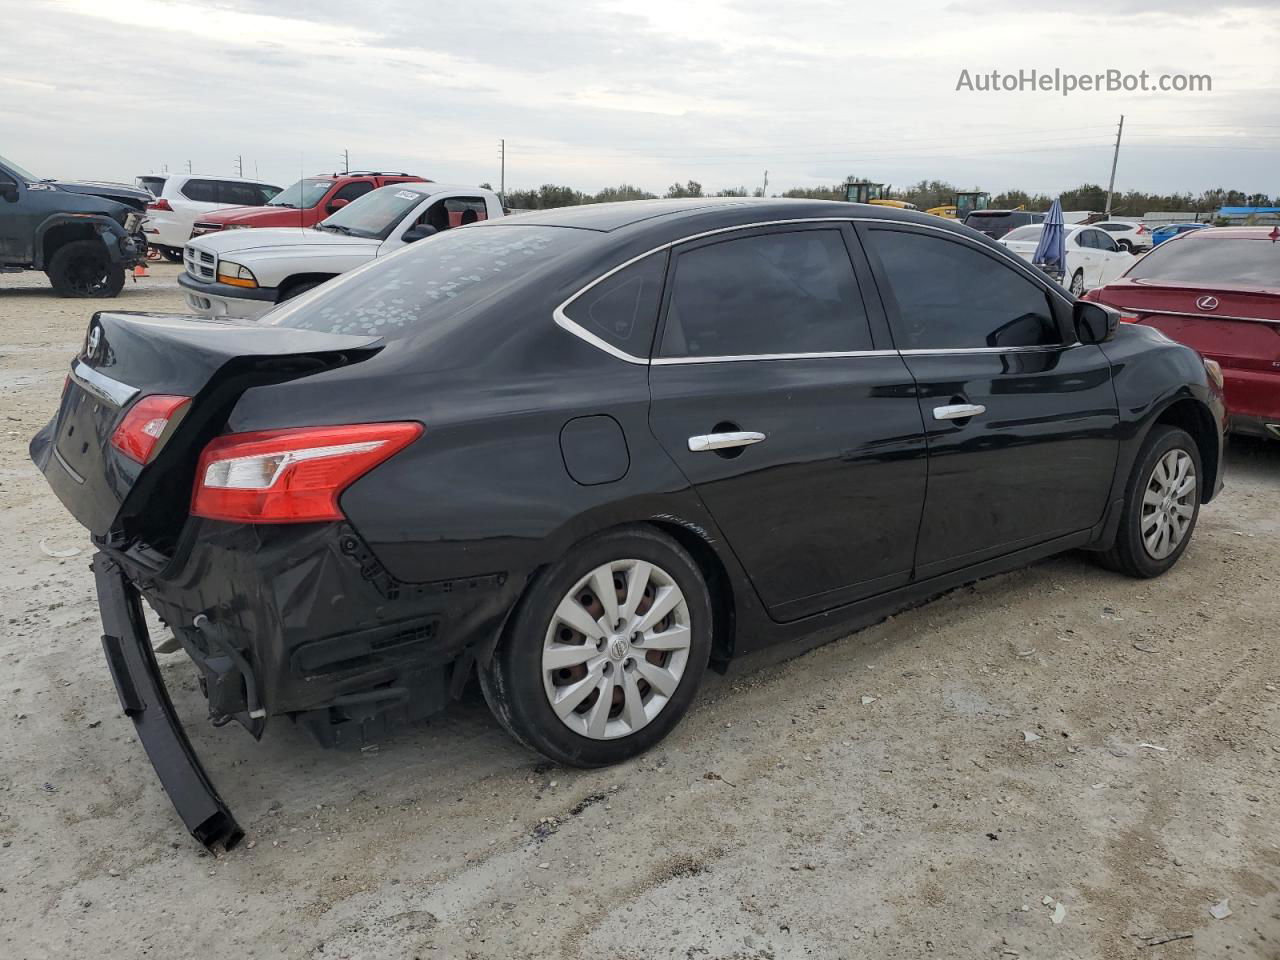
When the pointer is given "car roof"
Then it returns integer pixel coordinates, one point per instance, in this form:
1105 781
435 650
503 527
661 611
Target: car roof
201 176
711 213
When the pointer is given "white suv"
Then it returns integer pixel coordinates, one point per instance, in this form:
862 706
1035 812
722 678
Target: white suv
1131 235
182 198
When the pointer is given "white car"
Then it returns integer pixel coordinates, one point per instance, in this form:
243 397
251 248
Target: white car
1093 258
183 198
242 274
1130 235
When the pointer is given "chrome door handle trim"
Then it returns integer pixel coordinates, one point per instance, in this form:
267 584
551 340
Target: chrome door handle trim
723 441
958 411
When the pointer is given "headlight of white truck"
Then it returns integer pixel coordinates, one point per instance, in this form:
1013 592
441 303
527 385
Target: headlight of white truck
236 275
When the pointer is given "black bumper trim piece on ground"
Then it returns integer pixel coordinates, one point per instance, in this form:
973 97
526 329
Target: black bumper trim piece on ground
146 702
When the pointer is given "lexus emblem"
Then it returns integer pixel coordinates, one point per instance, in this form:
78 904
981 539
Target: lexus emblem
95 338
1207 303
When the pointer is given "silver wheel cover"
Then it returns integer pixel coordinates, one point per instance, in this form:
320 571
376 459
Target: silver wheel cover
616 649
1168 503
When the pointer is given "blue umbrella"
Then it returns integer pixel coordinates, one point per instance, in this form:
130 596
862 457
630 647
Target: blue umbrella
1051 253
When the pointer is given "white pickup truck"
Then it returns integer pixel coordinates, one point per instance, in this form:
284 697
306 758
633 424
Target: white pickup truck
244 273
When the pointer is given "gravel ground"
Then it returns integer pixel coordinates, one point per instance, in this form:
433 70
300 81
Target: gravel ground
933 786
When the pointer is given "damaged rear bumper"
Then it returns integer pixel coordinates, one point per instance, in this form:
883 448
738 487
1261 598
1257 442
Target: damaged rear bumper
146 702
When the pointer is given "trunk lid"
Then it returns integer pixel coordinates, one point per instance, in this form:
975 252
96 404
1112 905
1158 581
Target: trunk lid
1239 328
126 357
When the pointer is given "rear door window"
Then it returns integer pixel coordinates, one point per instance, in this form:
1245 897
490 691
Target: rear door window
354 190
952 296
772 293
622 309
239 194
201 191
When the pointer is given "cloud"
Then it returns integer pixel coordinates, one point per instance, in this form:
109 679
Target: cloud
599 93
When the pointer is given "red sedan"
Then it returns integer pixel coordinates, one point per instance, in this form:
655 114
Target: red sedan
1217 291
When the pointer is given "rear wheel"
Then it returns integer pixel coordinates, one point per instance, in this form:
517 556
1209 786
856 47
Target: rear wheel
605 653
1125 245
1077 283
1162 502
82 268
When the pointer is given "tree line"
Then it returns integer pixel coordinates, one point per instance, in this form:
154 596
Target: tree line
925 194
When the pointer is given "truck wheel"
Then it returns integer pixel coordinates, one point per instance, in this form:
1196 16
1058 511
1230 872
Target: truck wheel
603 655
172 254
82 268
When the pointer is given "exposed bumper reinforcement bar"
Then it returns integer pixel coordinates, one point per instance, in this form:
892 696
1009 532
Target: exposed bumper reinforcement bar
145 700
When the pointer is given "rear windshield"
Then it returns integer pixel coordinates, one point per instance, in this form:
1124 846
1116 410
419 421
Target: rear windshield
1211 261
154 185
437 280
303 194
1031 232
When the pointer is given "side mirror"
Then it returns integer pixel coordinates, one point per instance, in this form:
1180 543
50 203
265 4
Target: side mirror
335 205
419 231
9 190
1094 322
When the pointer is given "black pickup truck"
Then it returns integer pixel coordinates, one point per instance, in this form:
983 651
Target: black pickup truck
84 236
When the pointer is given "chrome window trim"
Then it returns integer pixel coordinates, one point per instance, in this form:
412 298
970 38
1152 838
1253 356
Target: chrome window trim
101 386
569 326
1206 315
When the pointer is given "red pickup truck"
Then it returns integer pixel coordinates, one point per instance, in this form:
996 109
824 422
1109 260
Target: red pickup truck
305 203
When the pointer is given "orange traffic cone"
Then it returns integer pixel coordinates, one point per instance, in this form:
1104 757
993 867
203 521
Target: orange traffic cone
140 271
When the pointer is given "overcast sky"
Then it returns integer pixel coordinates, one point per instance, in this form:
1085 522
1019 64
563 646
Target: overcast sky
595 94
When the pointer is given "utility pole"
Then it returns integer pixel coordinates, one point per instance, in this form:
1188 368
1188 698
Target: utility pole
764 191
502 171
346 161
1114 160
240 165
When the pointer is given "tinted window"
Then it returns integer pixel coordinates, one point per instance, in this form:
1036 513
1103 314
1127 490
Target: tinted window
430 286
1211 260
202 191
623 308
154 184
1030 232
1103 242
767 294
952 296
1084 238
1114 227
353 190
240 194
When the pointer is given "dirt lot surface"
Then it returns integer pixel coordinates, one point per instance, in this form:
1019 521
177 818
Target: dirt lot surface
934 786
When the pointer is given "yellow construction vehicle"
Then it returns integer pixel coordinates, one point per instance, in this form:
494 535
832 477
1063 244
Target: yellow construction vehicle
965 203
864 191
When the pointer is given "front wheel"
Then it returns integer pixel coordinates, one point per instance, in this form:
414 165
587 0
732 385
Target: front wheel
606 651
172 254
1161 505
1077 283
83 268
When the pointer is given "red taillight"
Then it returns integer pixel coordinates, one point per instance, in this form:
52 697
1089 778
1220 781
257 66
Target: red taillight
291 476
1141 229
161 204
144 424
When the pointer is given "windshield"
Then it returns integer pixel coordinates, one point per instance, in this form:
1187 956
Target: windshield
375 214
1031 232
1211 261
435 282
303 194
26 175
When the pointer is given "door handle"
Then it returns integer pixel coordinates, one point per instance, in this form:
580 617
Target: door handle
724 441
958 411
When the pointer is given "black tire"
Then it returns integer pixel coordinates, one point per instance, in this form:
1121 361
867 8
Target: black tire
172 254
1130 554
297 289
1077 283
1125 245
82 268
513 682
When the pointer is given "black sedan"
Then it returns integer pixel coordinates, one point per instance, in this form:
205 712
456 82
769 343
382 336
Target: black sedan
583 454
